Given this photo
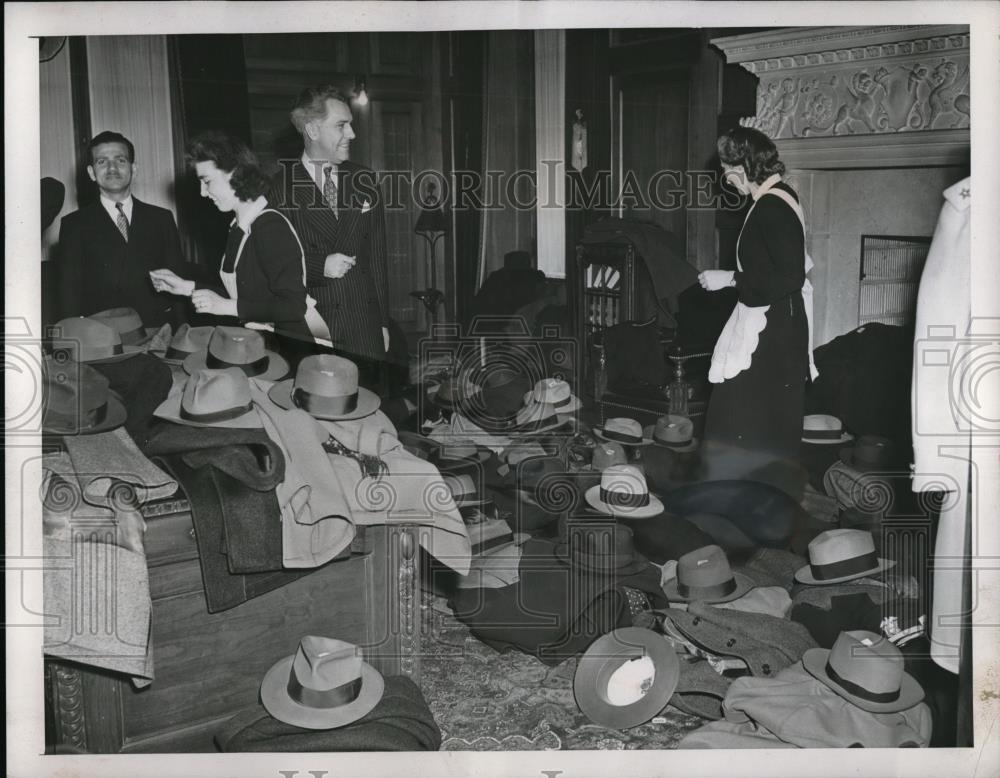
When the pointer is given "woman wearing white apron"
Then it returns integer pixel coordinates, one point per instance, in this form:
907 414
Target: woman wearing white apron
262 273
763 358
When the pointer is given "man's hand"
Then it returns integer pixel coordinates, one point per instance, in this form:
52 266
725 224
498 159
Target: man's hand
168 281
337 265
714 280
385 338
207 301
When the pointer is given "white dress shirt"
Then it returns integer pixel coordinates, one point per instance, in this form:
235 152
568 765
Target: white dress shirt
111 207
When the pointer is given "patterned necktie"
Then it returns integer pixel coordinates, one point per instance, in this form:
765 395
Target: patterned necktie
330 189
122 221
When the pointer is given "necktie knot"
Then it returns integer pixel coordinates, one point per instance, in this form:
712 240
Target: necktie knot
122 221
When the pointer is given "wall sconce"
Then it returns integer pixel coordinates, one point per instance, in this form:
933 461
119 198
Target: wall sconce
360 93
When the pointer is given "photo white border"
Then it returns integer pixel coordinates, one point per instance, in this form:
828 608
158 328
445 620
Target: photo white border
25 720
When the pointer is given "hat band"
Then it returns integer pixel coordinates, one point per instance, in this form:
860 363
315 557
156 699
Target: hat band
674 443
623 500
176 353
860 691
857 564
715 590
621 437
330 698
216 416
821 434
90 418
90 353
559 404
251 368
336 405
133 336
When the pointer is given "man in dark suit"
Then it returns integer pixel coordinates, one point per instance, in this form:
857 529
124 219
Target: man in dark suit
107 249
336 208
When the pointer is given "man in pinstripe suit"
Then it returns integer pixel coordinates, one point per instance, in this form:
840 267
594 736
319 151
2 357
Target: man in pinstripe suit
337 210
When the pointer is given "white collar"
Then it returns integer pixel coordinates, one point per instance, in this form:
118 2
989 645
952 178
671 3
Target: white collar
248 218
111 206
767 184
315 168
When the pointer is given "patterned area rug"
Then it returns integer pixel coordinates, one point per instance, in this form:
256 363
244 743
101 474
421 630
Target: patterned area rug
487 701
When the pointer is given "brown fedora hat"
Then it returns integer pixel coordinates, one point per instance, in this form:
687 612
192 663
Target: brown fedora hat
865 669
126 322
606 454
599 547
325 684
238 347
212 398
326 387
673 431
626 677
87 340
187 341
704 574
78 400
838 555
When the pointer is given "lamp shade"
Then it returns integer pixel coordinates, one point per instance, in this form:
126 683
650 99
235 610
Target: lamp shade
430 221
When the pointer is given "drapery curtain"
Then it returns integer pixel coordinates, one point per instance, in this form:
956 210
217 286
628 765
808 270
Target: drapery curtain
550 144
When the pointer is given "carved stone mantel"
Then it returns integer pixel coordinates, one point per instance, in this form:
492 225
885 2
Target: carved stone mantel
838 97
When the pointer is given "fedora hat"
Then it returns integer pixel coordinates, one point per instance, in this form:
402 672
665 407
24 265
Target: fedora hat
325 684
599 547
212 398
865 669
458 453
127 323
673 431
621 430
463 490
238 347
496 405
870 452
186 341
626 677
823 429
452 392
326 387
78 400
547 405
838 555
704 574
84 339
607 454
623 492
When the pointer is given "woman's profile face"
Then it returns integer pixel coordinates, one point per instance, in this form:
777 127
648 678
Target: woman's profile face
215 185
736 177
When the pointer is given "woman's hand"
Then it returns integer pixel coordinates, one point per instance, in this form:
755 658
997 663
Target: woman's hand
714 280
207 301
168 281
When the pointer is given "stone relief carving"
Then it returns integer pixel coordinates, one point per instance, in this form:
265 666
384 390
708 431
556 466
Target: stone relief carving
923 94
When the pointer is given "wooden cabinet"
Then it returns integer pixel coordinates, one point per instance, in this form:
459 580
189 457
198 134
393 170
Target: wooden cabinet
208 666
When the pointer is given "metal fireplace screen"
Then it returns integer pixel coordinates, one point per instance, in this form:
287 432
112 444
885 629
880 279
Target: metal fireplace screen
607 277
890 275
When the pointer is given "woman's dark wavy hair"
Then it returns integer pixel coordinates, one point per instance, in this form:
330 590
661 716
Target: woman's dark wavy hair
231 155
752 149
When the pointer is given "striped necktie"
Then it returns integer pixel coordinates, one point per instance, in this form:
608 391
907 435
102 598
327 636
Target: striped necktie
330 189
122 221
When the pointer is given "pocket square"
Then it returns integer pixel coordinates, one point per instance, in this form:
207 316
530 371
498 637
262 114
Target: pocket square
366 207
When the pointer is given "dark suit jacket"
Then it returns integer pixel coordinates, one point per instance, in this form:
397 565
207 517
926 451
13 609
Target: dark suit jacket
98 270
356 306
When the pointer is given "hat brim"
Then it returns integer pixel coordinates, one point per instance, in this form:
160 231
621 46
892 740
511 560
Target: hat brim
691 445
170 410
637 565
604 656
804 574
743 585
368 402
845 437
593 497
646 440
128 354
114 417
277 365
274 695
910 692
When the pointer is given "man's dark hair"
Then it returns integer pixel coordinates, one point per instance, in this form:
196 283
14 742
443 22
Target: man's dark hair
110 137
752 149
230 155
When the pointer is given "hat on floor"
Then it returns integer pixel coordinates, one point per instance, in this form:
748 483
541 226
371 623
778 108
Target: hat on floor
495 407
242 348
324 685
600 547
622 430
606 454
212 398
79 400
458 453
704 574
838 555
452 392
326 387
127 323
623 492
870 452
674 432
625 678
823 429
546 405
866 670
186 341
82 339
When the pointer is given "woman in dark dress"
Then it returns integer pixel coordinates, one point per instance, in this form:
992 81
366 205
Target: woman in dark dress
761 363
261 277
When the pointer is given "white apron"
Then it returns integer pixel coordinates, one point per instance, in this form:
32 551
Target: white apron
740 336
